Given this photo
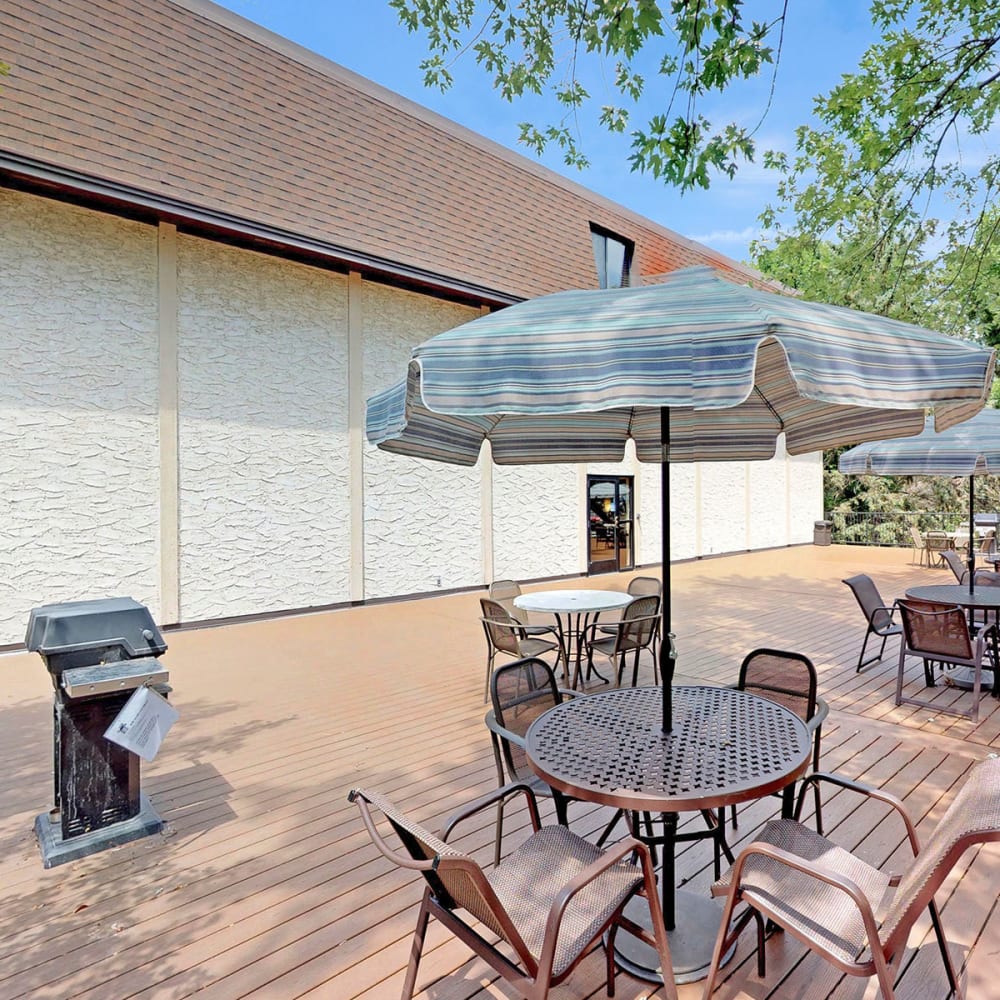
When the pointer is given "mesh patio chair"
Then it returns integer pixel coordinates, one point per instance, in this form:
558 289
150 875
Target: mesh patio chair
939 634
836 904
505 634
935 543
632 634
919 545
520 692
790 680
642 586
955 564
551 900
878 614
504 592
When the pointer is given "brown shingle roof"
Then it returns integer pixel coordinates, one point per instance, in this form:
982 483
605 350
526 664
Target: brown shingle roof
191 104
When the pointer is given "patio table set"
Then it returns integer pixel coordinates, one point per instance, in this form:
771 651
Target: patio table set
696 368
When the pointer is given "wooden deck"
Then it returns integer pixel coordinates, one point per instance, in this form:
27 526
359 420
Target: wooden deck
265 884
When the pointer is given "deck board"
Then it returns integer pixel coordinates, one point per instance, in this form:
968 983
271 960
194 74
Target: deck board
265 884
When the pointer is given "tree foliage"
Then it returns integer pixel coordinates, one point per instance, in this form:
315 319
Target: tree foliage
908 131
550 47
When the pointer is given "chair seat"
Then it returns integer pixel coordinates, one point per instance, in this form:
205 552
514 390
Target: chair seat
833 919
528 881
535 647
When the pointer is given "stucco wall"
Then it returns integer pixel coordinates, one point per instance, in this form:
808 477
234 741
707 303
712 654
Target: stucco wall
423 520
264 463
79 480
537 513
264 491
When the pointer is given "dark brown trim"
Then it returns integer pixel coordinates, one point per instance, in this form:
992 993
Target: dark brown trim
32 176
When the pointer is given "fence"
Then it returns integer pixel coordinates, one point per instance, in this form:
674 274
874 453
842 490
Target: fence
891 528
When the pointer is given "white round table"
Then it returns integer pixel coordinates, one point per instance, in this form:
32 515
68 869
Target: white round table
578 606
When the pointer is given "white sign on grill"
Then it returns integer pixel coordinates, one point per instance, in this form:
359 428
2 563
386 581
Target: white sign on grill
142 723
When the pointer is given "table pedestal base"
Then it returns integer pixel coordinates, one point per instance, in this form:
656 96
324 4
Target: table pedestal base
691 942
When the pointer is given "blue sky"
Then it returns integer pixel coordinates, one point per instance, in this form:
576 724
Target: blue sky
823 40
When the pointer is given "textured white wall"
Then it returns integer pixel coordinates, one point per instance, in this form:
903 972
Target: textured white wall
264 465
264 491
423 520
79 477
537 521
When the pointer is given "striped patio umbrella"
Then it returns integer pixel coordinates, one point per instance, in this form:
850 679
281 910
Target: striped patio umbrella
696 368
969 449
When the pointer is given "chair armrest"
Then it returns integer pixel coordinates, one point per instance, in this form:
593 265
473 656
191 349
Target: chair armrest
868 791
813 870
481 803
822 711
504 734
987 632
357 796
609 859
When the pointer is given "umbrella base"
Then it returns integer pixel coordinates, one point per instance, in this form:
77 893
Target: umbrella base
691 942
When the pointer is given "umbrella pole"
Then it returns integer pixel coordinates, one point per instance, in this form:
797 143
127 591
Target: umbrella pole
667 651
972 533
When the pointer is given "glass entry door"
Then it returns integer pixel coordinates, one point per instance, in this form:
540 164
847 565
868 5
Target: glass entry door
609 524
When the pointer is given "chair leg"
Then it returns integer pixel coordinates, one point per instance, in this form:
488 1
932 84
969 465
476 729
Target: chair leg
416 948
499 834
949 968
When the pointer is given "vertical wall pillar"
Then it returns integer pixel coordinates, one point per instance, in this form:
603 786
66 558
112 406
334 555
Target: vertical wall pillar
356 431
170 597
486 500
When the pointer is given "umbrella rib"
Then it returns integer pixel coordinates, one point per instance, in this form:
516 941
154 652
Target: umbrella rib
767 403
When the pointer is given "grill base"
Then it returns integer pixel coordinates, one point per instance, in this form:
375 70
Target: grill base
57 851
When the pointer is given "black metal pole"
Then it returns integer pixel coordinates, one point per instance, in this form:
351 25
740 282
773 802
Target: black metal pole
667 651
972 533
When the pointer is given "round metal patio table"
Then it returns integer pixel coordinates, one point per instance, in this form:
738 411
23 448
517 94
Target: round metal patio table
577 606
727 746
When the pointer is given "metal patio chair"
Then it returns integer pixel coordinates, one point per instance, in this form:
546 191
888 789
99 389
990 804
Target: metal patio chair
790 680
504 592
936 543
939 634
835 903
643 586
520 692
878 614
551 900
505 634
955 564
634 632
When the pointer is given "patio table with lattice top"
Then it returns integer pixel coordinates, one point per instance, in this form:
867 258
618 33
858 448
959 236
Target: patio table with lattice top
726 747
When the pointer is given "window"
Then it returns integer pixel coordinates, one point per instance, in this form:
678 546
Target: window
613 257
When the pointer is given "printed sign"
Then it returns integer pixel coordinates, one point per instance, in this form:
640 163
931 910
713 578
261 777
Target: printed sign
142 723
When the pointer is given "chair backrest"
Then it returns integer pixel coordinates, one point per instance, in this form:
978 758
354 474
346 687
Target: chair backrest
521 691
987 578
501 629
455 878
638 623
988 542
783 677
937 540
937 631
504 592
972 818
645 586
867 595
954 560
918 539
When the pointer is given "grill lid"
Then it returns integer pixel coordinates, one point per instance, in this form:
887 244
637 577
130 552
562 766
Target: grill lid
108 622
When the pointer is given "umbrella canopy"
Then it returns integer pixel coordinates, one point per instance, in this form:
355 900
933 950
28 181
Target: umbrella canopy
969 449
696 368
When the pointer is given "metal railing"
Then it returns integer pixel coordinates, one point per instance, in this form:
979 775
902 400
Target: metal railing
891 528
